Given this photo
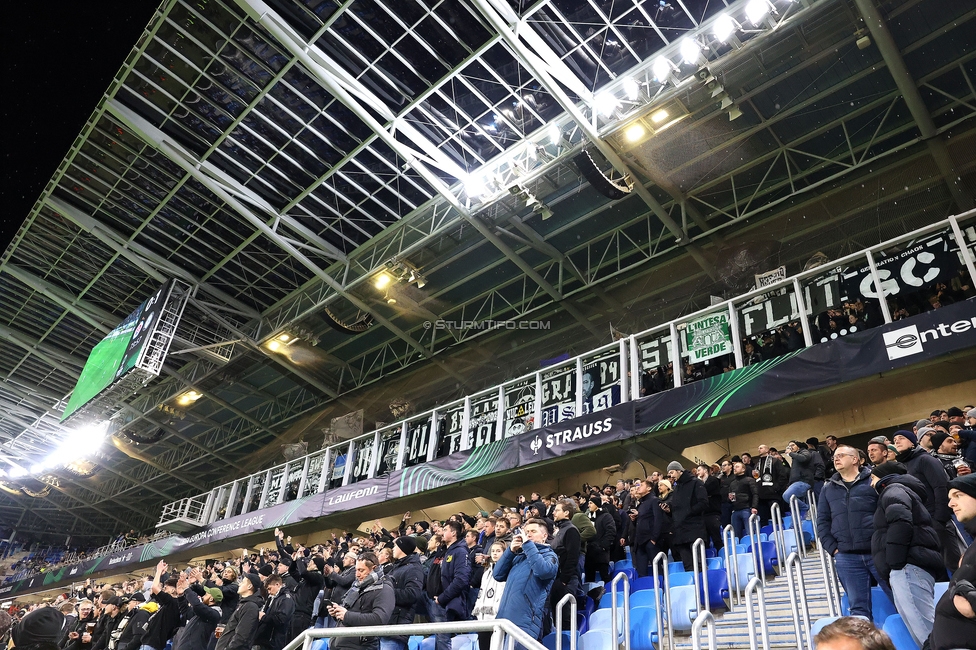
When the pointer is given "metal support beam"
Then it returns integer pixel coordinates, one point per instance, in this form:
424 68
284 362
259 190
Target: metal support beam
56 358
909 90
506 26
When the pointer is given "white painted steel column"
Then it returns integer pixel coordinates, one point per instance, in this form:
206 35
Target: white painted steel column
675 354
734 333
432 445
500 422
636 371
624 370
882 301
465 442
579 387
964 249
537 404
801 305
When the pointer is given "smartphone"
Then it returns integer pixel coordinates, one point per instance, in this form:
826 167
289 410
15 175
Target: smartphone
327 602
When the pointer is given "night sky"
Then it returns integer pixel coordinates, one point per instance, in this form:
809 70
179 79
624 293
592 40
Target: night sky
59 58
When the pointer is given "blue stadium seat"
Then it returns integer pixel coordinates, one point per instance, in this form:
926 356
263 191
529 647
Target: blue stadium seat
549 641
713 563
683 610
789 541
681 579
768 529
465 642
741 549
429 643
940 589
718 589
601 619
640 584
596 640
323 644
711 552
630 572
881 605
623 564
582 623
675 567
589 605
747 571
643 628
607 600
413 643
768 550
643 598
895 628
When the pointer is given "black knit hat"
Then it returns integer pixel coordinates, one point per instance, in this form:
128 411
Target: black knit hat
254 580
965 484
954 412
407 544
888 468
266 570
43 625
598 501
319 563
937 439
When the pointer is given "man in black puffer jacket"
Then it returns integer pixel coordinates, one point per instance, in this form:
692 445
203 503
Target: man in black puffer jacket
905 546
407 578
927 469
845 516
687 509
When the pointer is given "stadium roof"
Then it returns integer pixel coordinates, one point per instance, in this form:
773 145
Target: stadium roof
278 156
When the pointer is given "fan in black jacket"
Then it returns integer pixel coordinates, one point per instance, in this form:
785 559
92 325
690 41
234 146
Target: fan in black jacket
713 513
955 613
133 626
274 621
203 614
240 630
407 578
598 548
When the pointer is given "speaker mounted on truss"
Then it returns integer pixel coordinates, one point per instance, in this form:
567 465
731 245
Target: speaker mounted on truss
358 327
608 187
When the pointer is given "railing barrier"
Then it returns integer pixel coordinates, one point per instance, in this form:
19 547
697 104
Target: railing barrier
700 573
704 618
659 568
731 566
795 581
614 634
571 600
756 586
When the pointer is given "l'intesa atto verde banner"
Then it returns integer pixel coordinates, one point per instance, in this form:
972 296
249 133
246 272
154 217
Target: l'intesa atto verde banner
851 357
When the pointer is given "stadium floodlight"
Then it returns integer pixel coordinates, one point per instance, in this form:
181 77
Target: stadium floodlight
659 116
724 27
756 10
635 132
690 50
605 103
555 135
474 186
661 69
631 88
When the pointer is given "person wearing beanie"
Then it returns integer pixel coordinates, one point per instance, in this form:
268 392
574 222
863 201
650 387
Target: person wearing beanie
905 546
598 547
266 571
930 472
687 508
39 630
803 468
946 450
407 578
955 613
956 415
967 438
241 628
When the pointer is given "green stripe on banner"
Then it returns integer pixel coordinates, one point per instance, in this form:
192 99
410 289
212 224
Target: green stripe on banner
481 461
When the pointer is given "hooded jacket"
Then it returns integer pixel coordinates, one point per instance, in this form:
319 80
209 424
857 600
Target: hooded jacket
929 471
903 528
310 583
373 604
845 515
528 578
598 548
688 507
243 625
455 572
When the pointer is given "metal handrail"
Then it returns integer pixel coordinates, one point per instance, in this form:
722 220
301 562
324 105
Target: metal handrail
812 502
778 530
794 578
756 544
613 609
661 563
498 626
704 618
829 572
731 566
701 579
798 525
571 599
755 585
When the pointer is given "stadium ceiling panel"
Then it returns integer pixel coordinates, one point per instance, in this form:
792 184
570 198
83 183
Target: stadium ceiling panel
279 155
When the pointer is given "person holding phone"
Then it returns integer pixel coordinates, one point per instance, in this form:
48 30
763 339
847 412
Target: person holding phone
528 568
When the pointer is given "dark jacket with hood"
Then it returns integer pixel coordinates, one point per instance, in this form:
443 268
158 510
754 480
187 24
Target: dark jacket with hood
774 477
845 514
135 628
598 548
455 572
903 528
688 507
373 605
407 579
951 629
310 583
243 625
929 471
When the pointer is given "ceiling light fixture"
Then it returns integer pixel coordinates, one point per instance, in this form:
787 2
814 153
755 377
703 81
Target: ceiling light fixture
756 10
555 135
474 186
383 280
634 132
631 88
659 116
274 346
605 103
734 113
190 396
661 69
724 27
690 50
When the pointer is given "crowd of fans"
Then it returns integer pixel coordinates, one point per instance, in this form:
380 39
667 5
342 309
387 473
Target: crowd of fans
893 514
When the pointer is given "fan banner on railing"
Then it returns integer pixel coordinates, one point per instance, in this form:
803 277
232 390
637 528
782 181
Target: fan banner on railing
614 423
921 264
456 467
851 357
847 358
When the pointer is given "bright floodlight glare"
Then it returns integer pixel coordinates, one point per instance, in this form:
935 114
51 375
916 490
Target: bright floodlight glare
383 280
554 134
690 50
274 346
605 103
473 187
724 27
756 10
634 132
284 338
661 69
659 116
17 472
631 89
